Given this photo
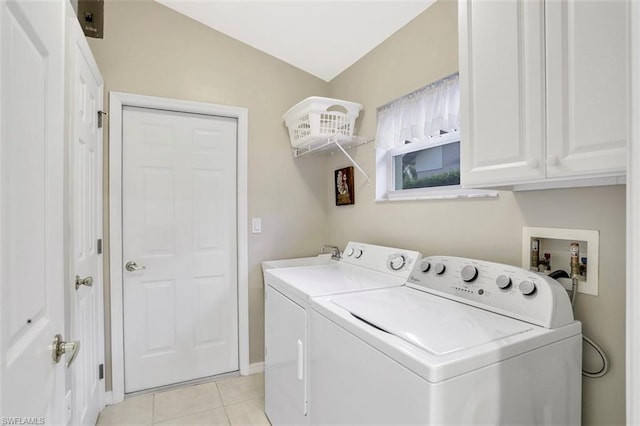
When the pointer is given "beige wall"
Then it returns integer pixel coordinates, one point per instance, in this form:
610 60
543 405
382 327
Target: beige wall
149 49
426 50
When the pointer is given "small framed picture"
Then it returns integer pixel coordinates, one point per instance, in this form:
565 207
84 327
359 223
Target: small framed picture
344 186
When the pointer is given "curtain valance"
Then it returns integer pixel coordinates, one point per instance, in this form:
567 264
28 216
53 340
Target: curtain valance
427 112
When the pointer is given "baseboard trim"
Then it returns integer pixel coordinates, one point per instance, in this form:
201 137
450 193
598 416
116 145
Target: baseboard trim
108 398
256 367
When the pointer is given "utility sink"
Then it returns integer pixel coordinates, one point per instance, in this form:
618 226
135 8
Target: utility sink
297 262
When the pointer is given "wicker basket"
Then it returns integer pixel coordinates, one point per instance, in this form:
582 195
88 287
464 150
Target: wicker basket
316 119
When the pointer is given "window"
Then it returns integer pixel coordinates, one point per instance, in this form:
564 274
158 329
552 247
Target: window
426 164
418 144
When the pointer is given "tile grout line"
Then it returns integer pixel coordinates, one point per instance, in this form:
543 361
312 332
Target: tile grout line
153 409
244 400
224 406
154 420
195 412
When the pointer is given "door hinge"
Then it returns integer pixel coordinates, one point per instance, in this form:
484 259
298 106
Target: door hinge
99 247
101 372
100 118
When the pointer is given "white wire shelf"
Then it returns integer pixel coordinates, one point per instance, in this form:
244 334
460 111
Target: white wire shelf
332 144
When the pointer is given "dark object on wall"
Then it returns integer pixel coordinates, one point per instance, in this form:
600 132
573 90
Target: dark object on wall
344 186
91 17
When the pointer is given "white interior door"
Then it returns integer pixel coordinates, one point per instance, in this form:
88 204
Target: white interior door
87 313
31 214
179 230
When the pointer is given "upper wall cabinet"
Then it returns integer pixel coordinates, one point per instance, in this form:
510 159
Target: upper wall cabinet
543 91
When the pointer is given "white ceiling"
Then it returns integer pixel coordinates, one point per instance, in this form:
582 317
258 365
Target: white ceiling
321 37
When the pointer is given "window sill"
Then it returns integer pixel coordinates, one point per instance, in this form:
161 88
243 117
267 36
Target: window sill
423 194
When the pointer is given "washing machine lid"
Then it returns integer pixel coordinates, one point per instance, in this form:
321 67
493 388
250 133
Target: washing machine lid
306 282
431 323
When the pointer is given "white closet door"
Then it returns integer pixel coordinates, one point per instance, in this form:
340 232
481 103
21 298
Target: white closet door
87 311
179 228
31 214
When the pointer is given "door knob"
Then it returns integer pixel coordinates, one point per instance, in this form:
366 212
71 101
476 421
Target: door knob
60 347
83 281
132 266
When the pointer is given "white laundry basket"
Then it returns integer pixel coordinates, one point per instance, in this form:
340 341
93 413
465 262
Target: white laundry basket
316 119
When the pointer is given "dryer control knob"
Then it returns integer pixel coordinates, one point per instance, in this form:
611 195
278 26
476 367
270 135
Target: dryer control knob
425 266
440 268
350 252
469 273
503 282
358 253
396 263
527 288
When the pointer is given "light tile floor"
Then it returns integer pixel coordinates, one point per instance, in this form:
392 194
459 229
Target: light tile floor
229 401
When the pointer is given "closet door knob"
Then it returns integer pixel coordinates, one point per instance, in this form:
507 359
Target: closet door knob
60 347
88 281
132 266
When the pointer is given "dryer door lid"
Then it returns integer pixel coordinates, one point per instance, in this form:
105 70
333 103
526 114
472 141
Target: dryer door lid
434 324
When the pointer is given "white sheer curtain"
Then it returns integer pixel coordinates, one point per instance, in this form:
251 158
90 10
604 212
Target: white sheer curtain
421 114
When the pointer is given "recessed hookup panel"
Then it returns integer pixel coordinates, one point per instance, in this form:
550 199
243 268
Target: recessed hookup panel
575 251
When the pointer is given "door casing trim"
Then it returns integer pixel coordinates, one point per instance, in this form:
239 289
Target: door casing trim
633 225
118 100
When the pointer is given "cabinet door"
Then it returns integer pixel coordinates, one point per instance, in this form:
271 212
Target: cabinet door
502 91
587 87
285 370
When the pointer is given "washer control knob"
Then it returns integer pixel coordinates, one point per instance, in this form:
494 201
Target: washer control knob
396 263
440 268
527 288
350 252
358 253
469 273
503 282
425 266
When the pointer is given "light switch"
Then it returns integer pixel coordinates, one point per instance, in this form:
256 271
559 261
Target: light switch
256 225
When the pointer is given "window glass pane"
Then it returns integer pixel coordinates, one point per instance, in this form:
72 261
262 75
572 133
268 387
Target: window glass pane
429 167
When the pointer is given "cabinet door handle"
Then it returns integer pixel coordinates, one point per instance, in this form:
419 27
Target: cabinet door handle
300 360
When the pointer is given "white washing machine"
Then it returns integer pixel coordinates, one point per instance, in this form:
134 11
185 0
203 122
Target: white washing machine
288 292
465 342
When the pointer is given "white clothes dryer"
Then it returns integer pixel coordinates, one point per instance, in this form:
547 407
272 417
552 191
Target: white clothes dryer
288 292
466 342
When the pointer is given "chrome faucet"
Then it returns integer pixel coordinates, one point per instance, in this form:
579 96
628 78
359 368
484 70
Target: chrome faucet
335 251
